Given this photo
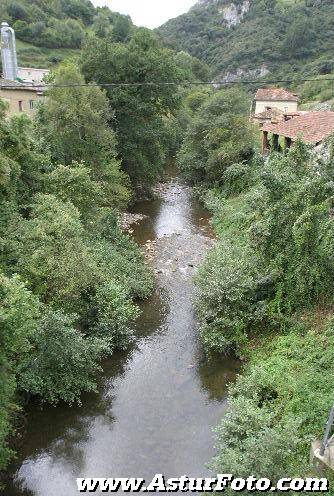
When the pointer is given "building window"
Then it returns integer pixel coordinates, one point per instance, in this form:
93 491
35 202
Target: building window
20 105
268 108
286 109
31 104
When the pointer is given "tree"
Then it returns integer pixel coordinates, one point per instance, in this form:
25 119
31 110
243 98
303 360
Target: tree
48 249
78 9
73 122
73 126
62 363
76 184
193 68
19 314
121 30
101 25
219 136
139 109
300 38
231 298
20 162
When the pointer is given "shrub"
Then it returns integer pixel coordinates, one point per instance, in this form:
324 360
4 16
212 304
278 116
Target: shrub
19 313
62 363
231 296
273 412
253 441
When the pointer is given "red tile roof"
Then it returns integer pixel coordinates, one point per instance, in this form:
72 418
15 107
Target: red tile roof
275 95
312 127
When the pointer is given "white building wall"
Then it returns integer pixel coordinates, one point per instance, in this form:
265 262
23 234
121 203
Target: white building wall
284 106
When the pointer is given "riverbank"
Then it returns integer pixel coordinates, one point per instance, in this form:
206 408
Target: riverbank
262 295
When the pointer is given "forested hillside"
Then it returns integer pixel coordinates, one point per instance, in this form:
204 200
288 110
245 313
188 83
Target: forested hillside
49 31
251 37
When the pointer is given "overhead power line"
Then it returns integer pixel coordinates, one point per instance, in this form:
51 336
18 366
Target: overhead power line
167 83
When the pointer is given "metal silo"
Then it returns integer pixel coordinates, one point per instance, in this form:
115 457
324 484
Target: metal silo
8 52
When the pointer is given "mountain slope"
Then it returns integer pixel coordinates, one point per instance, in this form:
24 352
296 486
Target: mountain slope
50 30
252 37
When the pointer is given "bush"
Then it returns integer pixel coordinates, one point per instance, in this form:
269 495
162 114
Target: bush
115 315
273 412
253 441
48 248
19 313
232 291
62 363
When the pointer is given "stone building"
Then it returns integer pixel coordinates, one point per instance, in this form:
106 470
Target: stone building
20 97
32 74
273 116
276 98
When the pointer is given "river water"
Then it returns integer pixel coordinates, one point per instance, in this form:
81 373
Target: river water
159 400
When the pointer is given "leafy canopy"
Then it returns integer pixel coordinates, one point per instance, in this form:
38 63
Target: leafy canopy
219 135
139 110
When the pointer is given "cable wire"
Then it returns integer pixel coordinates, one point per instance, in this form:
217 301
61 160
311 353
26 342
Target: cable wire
165 83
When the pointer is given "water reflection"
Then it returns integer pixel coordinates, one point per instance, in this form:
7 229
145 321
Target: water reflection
159 400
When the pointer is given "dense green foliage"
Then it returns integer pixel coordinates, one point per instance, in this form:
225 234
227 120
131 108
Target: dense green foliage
69 276
318 91
140 110
218 136
73 127
273 257
278 406
287 36
265 290
62 23
19 311
49 32
61 364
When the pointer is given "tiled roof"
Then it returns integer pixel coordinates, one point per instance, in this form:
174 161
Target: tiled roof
16 85
312 127
275 95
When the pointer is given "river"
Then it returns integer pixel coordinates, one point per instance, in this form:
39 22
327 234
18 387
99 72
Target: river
159 400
